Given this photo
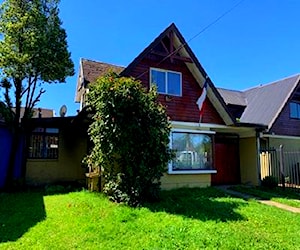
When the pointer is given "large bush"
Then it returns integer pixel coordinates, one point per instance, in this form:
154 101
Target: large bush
269 182
130 133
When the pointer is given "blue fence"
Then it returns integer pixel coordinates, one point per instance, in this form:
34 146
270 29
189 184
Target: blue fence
5 148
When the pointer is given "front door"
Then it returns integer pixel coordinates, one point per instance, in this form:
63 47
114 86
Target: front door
226 152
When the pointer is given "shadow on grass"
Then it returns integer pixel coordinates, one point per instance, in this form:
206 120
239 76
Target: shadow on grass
18 213
199 203
63 187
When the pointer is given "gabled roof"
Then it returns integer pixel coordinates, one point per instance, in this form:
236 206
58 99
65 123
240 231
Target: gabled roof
90 70
234 97
265 103
192 63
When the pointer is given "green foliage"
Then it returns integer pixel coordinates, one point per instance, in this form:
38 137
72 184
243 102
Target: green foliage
269 182
33 48
130 132
286 196
62 188
34 43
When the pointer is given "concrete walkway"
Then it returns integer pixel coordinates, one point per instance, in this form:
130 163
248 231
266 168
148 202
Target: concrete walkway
266 202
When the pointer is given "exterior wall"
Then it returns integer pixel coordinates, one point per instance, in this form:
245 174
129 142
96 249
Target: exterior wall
171 181
72 148
288 144
284 125
182 108
248 161
5 145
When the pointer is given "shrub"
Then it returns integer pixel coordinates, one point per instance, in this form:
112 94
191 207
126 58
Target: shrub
269 182
130 132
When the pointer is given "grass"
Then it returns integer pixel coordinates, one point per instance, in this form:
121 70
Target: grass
286 196
184 219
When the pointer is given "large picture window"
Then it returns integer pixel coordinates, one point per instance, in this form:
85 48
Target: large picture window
44 143
167 82
193 152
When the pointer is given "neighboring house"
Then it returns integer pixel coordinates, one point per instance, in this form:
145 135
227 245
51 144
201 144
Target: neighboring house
275 105
223 148
6 141
40 112
56 148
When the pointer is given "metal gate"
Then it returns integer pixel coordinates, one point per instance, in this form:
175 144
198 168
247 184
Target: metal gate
281 164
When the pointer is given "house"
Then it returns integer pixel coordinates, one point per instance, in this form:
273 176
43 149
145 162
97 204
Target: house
222 148
275 105
213 152
6 141
56 148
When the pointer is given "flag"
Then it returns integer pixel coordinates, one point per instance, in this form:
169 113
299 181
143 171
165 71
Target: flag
201 100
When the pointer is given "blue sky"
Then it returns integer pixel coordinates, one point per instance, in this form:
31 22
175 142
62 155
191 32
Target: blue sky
257 43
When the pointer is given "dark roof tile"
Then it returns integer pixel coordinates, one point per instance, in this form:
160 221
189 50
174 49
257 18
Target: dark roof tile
92 69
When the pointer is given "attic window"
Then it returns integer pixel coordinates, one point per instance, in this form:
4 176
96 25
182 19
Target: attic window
295 110
167 82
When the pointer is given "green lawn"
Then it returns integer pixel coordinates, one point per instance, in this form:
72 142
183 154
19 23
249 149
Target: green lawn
287 196
184 219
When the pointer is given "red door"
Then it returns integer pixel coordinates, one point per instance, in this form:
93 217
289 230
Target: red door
226 161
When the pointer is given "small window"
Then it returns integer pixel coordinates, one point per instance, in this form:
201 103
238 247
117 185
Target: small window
167 82
193 152
295 110
44 143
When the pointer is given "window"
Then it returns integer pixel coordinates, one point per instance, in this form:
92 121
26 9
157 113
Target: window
193 152
44 143
295 110
167 82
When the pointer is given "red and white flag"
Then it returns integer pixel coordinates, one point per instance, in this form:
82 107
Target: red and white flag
201 100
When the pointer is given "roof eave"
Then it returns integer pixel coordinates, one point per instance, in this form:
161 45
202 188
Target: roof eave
80 82
257 126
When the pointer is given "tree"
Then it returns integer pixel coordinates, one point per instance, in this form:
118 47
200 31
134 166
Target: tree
33 50
130 132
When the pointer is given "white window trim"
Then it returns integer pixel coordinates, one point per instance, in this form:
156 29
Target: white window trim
204 171
166 82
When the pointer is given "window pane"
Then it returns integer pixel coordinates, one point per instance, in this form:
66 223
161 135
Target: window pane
174 83
159 79
51 146
193 151
293 110
39 130
44 145
52 130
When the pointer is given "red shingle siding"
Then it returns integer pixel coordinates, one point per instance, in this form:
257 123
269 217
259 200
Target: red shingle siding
182 108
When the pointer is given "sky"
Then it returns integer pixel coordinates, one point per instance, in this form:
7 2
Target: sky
258 42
